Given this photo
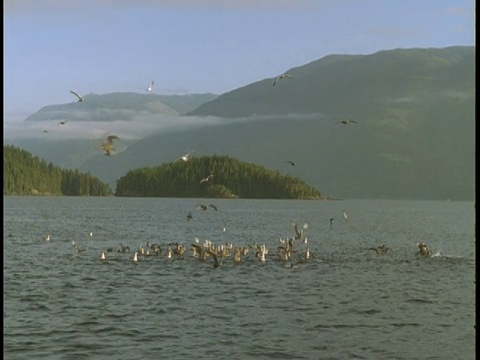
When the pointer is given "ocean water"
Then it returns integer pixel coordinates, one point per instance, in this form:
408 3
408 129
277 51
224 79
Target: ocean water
345 302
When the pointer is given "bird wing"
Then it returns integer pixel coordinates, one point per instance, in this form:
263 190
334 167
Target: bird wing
199 248
111 138
74 93
213 207
275 81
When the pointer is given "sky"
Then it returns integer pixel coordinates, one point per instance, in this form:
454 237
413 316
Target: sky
200 46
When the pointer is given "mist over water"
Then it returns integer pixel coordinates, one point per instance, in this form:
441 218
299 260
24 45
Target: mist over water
139 127
345 302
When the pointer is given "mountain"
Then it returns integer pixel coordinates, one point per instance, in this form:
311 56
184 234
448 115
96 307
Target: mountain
413 135
354 85
121 106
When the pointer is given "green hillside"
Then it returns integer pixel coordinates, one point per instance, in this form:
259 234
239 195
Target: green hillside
414 136
213 176
24 174
355 85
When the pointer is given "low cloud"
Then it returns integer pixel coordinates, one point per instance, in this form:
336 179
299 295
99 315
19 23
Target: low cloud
141 125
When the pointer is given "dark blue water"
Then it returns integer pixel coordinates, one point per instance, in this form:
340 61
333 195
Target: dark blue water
345 302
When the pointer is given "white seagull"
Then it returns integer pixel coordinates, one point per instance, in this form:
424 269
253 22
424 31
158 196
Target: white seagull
80 98
206 179
186 156
345 217
150 87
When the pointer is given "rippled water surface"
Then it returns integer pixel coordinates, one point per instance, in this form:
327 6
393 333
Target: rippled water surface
345 302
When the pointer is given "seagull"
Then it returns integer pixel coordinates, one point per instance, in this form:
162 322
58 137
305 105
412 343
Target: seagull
291 162
424 250
46 238
80 98
299 232
150 87
205 207
347 121
102 257
206 179
217 262
345 217
331 222
281 77
380 250
186 156
63 122
107 146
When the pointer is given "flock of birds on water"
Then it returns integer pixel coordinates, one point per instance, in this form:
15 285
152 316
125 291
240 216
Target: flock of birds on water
107 145
290 251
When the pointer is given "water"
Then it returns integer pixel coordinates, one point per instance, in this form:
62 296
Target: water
345 302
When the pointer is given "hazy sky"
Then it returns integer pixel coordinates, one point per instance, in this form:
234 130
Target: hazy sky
199 46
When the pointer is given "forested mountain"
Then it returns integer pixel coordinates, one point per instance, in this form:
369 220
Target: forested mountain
24 174
357 86
213 176
413 136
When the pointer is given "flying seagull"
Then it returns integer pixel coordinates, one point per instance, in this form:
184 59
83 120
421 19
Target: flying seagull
291 162
347 121
80 98
208 178
281 77
186 156
107 146
63 122
150 87
345 217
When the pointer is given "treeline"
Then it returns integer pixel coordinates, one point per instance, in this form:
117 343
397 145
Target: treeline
24 174
227 178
